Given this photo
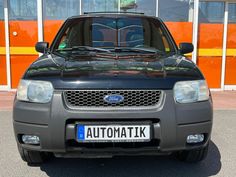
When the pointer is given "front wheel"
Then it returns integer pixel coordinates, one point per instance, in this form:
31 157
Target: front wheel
193 156
33 157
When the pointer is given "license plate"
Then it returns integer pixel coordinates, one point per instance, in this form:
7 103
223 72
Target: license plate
113 133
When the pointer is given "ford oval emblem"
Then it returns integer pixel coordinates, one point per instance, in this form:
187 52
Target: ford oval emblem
113 99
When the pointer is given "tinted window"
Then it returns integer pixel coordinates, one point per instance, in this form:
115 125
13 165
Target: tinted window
116 32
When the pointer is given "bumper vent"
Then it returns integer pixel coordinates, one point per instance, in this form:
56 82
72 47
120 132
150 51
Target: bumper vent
94 99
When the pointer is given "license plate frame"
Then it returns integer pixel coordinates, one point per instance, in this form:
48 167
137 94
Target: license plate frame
121 124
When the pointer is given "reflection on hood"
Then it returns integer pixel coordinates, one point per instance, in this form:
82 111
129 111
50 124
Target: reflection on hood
53 66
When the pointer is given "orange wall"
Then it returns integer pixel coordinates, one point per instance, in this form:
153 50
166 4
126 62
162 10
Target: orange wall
19 63
230 70
211 68
181 31
27 36
27 33
211 37
51 28
3 71
2 34
231 38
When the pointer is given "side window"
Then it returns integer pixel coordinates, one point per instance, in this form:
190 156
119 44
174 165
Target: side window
165 42
158 38
64 40
77 34
71 37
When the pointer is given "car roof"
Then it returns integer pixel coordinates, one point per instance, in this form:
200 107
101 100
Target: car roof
112 15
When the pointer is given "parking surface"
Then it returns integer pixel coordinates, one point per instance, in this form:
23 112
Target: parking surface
220 161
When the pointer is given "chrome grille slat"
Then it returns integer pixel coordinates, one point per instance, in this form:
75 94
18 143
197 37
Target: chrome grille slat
95 98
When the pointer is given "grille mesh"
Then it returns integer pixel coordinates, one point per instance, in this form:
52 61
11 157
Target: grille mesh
95 98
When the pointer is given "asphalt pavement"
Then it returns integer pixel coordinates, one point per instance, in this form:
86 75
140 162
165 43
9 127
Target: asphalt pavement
221 160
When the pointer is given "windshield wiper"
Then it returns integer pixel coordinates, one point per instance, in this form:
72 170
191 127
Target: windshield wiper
84 49
112 53
141 50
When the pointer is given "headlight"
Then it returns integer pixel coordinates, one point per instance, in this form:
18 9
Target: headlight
35 91
191 91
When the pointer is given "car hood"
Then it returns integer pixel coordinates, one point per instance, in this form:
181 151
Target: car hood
105 73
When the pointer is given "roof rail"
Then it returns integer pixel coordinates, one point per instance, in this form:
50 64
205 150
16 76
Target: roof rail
116 12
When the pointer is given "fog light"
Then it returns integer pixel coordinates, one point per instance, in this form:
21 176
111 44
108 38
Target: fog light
198 138
30 139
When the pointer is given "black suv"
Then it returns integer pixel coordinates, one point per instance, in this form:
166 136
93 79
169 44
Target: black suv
112 84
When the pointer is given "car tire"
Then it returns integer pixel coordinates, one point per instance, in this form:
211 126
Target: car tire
34 157
193 156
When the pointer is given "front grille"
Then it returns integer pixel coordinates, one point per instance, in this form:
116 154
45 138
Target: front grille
95 98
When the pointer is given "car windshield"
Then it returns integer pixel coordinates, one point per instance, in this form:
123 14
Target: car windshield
127 34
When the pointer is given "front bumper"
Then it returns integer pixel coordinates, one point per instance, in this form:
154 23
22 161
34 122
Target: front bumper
55 124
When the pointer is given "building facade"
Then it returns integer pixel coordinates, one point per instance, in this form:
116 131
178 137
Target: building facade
209 24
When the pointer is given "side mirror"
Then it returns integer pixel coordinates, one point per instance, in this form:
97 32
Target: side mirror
41 47
185 48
